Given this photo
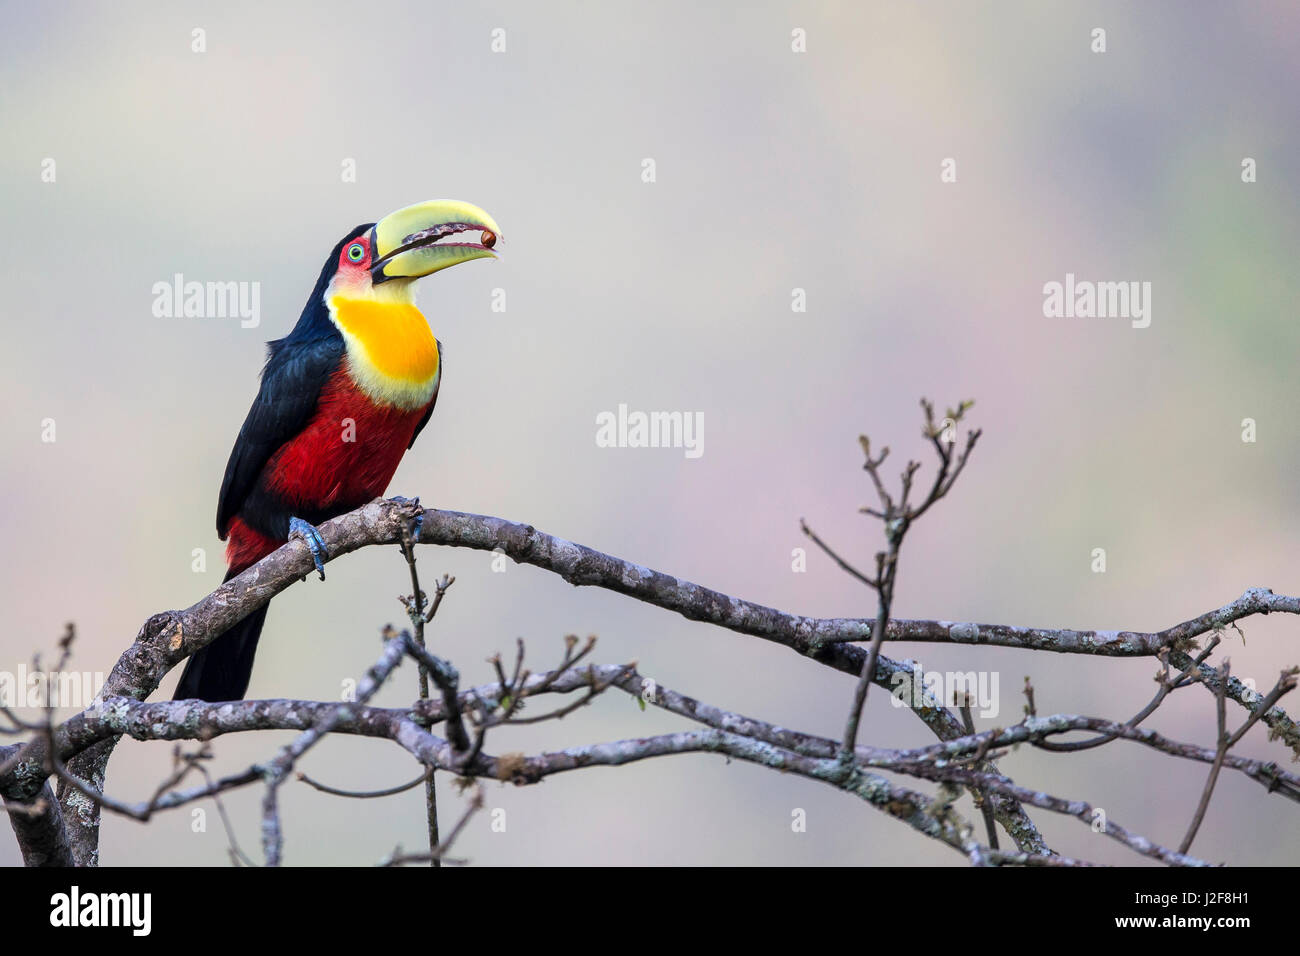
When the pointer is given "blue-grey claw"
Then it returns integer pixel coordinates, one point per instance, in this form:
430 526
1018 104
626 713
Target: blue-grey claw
418 523
308 533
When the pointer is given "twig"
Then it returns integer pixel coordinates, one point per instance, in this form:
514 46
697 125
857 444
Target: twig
420 616
367 794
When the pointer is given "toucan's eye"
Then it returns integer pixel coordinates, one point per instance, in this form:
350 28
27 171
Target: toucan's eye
356 252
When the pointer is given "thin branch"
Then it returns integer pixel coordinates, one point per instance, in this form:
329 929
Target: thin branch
1221 751
438 853
420 616
366 794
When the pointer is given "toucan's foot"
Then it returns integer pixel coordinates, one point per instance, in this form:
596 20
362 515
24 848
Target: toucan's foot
414 505
308 533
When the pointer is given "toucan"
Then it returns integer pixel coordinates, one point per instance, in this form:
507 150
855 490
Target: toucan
342 397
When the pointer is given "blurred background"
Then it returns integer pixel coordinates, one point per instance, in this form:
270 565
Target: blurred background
775 170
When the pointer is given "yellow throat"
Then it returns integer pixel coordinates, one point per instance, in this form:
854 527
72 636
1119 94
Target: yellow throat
392 354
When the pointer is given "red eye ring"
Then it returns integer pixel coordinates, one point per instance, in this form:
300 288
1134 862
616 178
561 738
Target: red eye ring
356 252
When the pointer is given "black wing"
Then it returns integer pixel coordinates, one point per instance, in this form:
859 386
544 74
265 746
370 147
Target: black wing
432 402
292 381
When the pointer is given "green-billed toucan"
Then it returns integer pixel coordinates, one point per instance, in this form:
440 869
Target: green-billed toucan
343 396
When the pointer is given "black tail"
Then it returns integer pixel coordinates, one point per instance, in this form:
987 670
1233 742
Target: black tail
221 670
